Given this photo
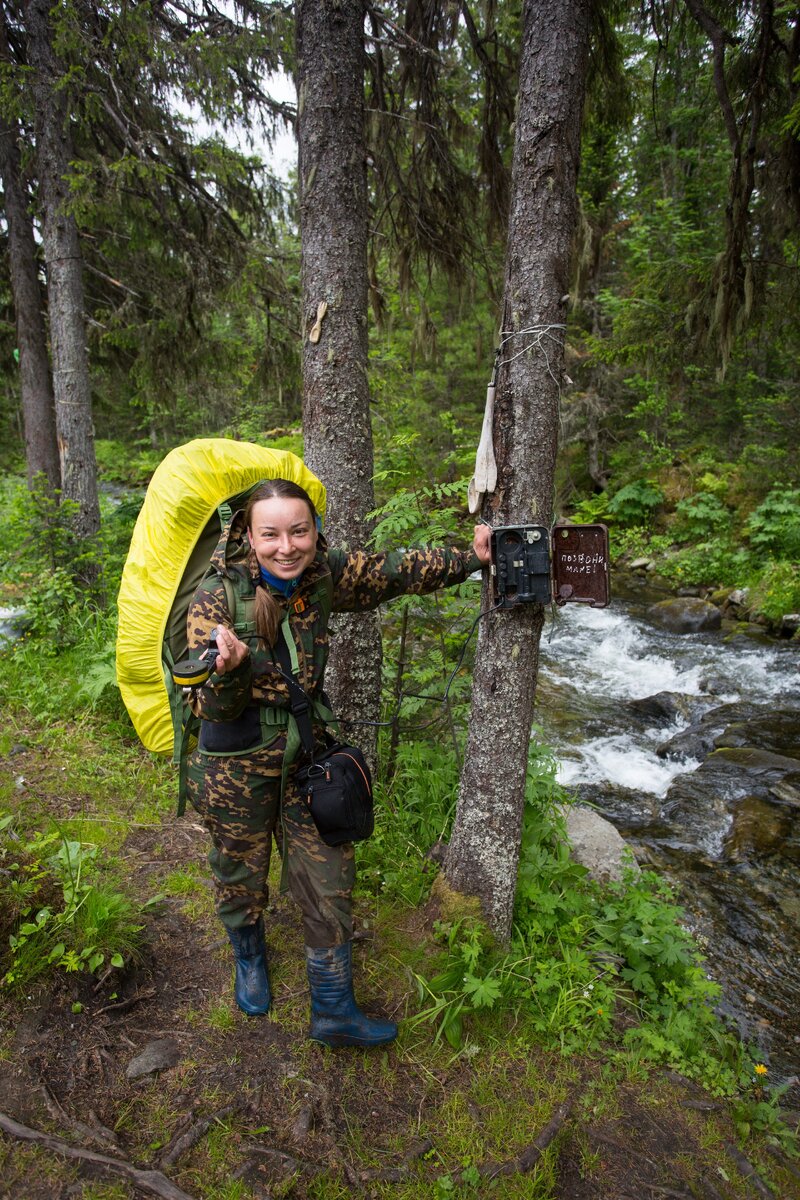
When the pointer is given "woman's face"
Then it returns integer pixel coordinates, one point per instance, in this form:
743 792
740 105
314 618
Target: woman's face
283 535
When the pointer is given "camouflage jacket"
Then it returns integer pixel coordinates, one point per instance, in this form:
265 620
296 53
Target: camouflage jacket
349 582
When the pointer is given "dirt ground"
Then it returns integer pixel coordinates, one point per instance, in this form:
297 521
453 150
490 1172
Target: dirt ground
247 1108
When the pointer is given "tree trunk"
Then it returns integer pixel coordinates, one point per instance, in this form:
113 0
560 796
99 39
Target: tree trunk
62 255
484 850
36 392
333 238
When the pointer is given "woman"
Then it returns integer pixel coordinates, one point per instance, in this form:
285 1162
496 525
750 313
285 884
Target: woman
276 571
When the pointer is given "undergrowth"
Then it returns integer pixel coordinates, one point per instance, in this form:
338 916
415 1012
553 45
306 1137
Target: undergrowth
59 908
589 967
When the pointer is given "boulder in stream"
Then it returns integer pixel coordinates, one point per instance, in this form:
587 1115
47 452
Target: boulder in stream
686 614
715 806
663 708
596 845
700 738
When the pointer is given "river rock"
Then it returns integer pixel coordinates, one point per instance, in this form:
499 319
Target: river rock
790 623
700 738
686 614
156 1056
706 804
663 708
777 731
628 810
596 845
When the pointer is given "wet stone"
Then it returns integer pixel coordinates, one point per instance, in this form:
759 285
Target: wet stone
700 738
666 707
156 1056
777 731
686 614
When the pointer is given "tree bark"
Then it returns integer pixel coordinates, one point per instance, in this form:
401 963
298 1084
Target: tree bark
36 390
63 260
333 238
484 850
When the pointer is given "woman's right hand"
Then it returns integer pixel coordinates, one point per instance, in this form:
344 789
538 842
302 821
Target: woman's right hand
231 651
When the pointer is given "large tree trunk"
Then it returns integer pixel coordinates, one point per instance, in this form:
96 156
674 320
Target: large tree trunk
484 850
62 255
333 238
38 414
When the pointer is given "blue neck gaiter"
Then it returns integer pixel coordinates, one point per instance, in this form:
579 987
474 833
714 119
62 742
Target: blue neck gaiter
284 586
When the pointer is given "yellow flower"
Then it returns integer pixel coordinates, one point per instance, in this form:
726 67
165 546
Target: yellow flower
599 1012
760 1069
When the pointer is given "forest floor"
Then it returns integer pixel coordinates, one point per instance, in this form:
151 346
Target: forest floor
249 1109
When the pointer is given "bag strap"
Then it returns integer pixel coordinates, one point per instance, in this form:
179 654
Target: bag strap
299 702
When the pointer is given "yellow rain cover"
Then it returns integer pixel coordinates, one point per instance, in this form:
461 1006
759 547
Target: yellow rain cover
181 501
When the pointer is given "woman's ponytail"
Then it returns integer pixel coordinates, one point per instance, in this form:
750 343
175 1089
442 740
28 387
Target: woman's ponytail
268 615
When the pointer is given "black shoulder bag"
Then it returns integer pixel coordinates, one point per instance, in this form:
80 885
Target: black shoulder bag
335 782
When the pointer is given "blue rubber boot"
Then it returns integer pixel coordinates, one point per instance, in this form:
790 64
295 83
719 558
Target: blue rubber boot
251 987
336 1019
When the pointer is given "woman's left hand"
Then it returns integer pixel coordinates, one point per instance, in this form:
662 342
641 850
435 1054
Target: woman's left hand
481 544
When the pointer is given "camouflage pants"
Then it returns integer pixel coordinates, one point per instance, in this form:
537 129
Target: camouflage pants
238 799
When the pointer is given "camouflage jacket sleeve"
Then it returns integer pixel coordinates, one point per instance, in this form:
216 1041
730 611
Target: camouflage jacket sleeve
222 697
363 581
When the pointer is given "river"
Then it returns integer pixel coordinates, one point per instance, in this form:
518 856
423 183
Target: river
728 842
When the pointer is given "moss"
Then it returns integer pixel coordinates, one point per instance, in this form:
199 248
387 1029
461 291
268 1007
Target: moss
451 905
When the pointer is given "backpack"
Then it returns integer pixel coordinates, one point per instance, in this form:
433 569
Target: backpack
192 496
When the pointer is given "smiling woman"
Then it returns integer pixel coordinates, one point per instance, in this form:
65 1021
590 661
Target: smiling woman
267 608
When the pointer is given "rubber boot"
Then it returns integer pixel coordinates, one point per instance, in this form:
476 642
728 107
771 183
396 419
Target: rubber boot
336 1019
251 987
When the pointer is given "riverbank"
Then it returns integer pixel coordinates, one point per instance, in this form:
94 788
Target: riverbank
743 609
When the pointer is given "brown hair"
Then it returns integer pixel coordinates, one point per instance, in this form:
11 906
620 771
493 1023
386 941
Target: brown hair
268 613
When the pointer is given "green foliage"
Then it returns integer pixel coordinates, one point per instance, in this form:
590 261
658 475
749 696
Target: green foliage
129 465
758 1111
713 561
591 509
776 590
59 912
580 953
774 527
44 564
636 503
414 812
701 514
418 517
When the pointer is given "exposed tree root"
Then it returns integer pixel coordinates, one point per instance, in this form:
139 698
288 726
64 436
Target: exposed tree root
93 1133
398 1173
529 1157
184 1141
748 1171
125 1004
149 1181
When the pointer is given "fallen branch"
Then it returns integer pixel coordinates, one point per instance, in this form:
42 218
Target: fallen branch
149 1181
179 1145
530 1156
748 1171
